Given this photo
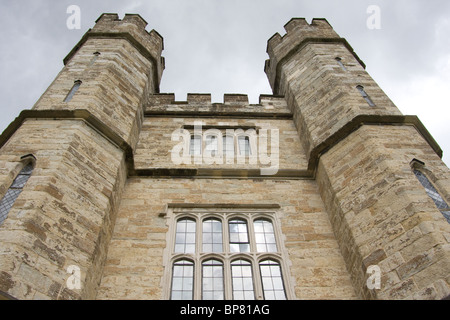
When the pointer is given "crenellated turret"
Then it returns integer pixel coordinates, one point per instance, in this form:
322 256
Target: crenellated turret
110 73
320 75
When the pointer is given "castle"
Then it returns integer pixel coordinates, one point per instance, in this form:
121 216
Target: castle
323 190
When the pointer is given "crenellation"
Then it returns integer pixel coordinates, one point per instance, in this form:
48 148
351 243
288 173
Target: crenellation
199 98
235 99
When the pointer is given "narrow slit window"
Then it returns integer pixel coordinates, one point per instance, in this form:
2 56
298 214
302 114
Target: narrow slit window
433 194
265 236
242 280
183 280
72 91
212 280
212 236
239 239
272 281
365 96
94 58
185 236
341 64
14 191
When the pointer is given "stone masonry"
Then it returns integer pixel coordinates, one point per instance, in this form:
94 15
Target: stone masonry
343 193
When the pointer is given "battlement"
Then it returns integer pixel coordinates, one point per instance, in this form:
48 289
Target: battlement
132 28
298 33
199 99
132 23
200 104
297 30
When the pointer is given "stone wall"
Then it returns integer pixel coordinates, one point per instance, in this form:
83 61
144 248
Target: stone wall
382 215
66 212
135 269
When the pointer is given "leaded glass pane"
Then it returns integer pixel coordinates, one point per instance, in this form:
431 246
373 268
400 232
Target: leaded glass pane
212 236
244 145
195 145
212 281
265 236
183 280
272 280
185 236
434 194
242 280
239 241
13 192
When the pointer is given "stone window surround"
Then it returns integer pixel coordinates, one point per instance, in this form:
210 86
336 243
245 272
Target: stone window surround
224 212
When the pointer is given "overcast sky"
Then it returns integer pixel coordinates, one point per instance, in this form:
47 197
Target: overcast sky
219 46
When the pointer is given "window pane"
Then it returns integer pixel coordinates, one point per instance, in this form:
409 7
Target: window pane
244 145
182 280
212 282
185 236
239 241
212 236
195 145
241 272
271 280
265 236
433 194
72 91
13 192
212 145
228 145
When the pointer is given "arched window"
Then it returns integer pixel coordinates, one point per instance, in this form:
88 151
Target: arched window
242 280
433 194
228 145
182 280
239 240
212 280
212 145
225 253
185 236
244 145
212 236
195 147
13 192
265 236
272 281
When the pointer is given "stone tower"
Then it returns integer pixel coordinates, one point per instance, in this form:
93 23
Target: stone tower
324 183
